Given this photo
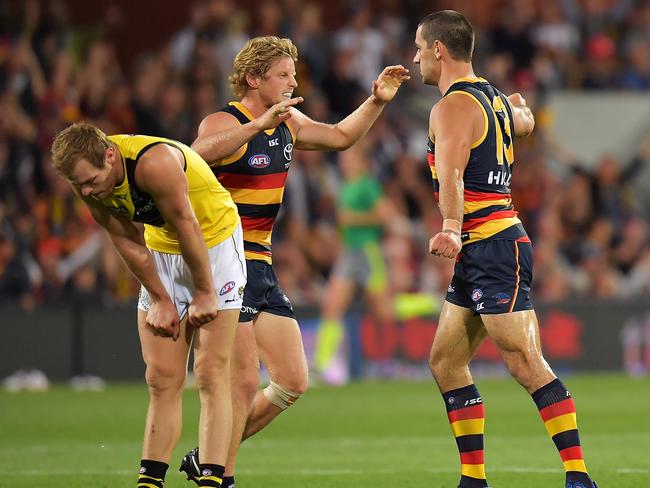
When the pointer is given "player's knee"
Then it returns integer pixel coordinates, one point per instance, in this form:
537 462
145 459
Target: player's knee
437 362
208 379
246 383
217 363
210 374
164 379
521 366
297 384
282 397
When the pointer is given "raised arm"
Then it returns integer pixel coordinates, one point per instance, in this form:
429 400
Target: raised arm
454 124
221 135
523 119
129 243
160 173
312 135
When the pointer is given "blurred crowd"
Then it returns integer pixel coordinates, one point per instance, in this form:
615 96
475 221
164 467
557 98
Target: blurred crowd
589 229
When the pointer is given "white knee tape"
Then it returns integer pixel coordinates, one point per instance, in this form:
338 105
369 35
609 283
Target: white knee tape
280 397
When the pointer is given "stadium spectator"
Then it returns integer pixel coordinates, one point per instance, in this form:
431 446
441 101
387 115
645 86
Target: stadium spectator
51 75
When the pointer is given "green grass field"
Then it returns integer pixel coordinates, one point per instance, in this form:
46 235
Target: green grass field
363 435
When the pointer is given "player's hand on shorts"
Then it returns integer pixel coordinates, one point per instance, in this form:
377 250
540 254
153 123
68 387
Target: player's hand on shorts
386 85
446 244
203 309
163 318
277 114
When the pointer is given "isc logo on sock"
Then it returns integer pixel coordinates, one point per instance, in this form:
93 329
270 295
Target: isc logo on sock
206 472
473 401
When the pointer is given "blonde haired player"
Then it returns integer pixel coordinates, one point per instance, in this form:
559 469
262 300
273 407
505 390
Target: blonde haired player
249 144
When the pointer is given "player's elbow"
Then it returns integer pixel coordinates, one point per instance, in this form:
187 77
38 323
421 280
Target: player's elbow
342 144
529 128
527 125
199 147
184 223
341 140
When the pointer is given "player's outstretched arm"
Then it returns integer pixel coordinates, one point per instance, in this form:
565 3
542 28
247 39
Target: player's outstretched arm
312 135
160 173
129 243
523 119
220 135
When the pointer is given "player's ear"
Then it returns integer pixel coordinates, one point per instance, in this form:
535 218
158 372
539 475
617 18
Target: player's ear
436 49
253 81
109 155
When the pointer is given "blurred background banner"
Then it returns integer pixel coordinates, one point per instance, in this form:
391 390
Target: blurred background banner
580 181
87 339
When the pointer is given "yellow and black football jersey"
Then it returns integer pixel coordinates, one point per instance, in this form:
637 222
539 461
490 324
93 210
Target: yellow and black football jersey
212 204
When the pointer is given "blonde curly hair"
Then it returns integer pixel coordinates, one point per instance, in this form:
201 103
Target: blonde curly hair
256 58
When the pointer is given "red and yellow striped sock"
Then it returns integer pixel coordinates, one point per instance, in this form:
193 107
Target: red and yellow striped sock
558 412
467 418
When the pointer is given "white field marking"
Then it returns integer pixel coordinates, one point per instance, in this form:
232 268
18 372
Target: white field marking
296 472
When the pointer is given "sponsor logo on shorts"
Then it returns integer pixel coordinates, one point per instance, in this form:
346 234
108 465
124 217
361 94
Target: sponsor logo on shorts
451 400
240 292
451 289
234 298
477 293
250 310
226 288
259 161
502 298
480 306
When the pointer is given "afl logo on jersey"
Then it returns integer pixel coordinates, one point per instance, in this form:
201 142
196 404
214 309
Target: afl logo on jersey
259 161
288 151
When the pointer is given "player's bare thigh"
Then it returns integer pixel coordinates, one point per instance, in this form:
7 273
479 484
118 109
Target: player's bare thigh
163 354
280 347
458 336
516 335
213 341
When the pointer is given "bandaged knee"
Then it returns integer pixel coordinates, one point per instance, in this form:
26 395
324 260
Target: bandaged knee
280 397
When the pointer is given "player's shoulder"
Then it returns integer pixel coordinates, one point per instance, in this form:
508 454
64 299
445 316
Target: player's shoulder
452 106
218 121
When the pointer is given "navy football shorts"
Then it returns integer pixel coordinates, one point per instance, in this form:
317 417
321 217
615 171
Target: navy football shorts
263 293
493 277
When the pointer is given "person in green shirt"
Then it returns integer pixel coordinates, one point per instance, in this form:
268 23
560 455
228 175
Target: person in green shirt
362 211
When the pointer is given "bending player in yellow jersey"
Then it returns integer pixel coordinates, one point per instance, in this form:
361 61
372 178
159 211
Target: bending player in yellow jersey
249 145
189 260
